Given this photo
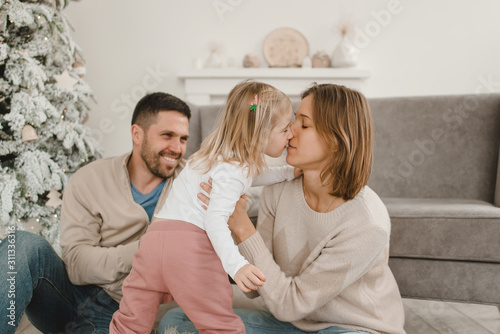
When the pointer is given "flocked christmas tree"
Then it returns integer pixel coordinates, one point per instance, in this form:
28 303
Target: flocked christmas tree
43 104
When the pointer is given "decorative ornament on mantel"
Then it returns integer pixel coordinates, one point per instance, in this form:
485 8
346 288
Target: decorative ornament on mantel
65 81
197 63
285 47
344 54
306 63
321 60
28 134
251 60
54 198
215 58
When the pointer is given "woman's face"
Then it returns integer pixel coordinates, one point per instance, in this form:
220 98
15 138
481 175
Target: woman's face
306 149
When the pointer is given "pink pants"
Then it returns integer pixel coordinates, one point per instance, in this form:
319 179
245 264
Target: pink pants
176 260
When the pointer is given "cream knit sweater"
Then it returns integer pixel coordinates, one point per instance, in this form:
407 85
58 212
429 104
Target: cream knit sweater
101 224
325 269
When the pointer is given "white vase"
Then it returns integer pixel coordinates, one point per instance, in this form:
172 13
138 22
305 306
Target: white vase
307 63
198 63
215 60
344 54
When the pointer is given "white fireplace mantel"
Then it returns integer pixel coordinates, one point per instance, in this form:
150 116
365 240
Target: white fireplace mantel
211 86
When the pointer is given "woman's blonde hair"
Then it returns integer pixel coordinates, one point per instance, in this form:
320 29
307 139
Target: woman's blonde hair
343 119
243 131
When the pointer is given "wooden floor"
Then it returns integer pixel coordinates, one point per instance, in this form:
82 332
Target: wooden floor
432 317
425 317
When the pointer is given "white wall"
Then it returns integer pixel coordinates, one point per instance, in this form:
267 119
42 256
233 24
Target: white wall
424 48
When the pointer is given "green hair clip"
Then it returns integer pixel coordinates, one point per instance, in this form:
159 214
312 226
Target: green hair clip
253 104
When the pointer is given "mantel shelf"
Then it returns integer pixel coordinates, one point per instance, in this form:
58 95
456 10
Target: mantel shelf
210 86
261 72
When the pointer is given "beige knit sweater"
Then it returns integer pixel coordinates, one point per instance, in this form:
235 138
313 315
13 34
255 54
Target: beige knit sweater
325 269
101 224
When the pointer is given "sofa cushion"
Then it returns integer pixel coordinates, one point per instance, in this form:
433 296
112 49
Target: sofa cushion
208 117
469 282
436 146
446 229
202 123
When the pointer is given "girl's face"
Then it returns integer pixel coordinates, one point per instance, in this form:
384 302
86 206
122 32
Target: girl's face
306 150
281 134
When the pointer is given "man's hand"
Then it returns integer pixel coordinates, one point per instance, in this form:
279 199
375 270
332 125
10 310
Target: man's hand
208 189
249 278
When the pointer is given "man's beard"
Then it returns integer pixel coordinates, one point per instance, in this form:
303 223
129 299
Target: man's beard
153 160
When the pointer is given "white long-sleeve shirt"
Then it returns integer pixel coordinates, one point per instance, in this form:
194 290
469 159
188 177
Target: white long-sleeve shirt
229 182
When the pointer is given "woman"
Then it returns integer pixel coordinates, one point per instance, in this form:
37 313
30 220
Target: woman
322 240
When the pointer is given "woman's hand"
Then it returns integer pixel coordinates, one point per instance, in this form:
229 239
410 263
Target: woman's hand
249 278
239 223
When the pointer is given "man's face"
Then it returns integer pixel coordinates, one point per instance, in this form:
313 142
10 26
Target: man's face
164 143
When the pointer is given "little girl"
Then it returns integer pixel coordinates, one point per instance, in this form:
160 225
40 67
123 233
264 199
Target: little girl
187 255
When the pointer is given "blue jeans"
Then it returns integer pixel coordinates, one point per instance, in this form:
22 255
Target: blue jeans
38 284
256 322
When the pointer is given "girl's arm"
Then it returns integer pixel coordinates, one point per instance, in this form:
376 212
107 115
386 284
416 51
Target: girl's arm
240 218
228 183
273 175
239 223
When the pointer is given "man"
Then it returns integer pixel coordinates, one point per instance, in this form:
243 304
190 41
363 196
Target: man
106 208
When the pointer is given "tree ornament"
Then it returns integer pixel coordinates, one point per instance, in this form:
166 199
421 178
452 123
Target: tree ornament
79 69
65 81
28 134
54 198
85 119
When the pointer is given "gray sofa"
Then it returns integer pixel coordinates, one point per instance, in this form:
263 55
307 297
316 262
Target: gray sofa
436 167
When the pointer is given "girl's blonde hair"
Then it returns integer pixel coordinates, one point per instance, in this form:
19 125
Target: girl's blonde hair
242 132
